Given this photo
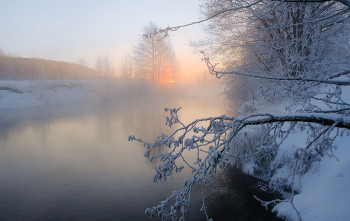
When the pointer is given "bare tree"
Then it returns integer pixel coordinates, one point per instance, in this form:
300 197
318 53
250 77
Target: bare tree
109 70
154 57
126 67
174 66
99 66
104 67
82 62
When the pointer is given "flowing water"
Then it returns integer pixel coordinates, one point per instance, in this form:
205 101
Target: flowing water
73 162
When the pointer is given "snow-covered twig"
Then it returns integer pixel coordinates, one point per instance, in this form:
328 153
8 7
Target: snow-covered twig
220 74
165 31
215 142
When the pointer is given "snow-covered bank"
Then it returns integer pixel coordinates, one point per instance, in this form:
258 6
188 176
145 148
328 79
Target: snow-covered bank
324 195
321 193
20 94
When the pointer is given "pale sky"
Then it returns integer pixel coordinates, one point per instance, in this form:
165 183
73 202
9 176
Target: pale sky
67 30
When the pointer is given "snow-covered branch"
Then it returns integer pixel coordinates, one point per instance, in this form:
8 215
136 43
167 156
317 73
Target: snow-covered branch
215 141
220 74
344 2
337 120
240 6
165 31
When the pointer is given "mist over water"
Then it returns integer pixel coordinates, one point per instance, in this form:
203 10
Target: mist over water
73 162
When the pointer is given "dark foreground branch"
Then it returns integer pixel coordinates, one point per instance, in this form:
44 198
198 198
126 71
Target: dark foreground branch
335 120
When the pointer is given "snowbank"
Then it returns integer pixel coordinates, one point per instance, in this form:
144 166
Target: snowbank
20 94
324 195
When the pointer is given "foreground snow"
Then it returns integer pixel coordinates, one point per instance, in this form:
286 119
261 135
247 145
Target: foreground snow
324 195
37 93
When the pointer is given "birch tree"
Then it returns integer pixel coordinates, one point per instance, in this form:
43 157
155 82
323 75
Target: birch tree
125 67
154 57
99 66
104 67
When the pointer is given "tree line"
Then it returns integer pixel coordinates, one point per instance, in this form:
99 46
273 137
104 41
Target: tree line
18 68
153 59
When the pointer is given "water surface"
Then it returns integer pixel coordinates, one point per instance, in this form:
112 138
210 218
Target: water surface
73 162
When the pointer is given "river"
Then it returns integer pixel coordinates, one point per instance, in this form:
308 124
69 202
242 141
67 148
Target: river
73 162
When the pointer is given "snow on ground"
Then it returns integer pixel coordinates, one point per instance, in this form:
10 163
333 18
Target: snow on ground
38 93
324 195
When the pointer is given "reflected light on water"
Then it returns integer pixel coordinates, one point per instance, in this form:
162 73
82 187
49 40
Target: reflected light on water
75 163
59 164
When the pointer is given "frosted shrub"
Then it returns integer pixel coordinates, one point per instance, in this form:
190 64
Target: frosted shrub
256 151
247 107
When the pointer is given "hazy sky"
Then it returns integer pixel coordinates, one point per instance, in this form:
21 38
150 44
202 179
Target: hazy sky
69 29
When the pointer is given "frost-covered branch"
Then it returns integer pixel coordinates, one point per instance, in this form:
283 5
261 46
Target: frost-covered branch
219 74
324 119
240 6
315 21
165 31
344 2
290 200
215 141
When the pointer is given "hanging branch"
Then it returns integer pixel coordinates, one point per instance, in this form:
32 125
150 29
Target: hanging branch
165 31
219 74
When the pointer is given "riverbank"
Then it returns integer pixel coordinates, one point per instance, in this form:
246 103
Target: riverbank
23 94
322 193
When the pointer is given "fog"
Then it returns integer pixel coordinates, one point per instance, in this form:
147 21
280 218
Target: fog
73 161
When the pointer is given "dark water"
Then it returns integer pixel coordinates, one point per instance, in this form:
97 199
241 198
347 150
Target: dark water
74 162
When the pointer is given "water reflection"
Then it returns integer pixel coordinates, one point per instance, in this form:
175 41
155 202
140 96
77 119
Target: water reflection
75 163
231 197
